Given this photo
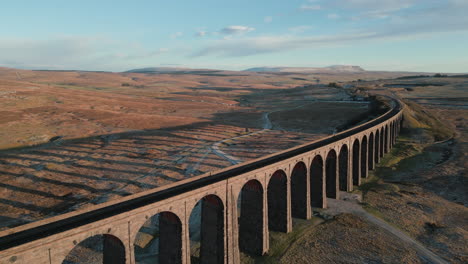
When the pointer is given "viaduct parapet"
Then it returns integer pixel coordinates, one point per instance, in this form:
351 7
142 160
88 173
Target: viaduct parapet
237 206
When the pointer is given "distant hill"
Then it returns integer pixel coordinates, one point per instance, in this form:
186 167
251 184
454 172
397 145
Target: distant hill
170 70
329 69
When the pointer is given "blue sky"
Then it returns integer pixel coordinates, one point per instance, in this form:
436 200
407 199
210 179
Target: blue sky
407 35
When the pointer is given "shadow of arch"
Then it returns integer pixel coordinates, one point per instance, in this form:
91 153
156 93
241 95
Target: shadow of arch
159 240
277 202
370 155
331 175
343 170
356 163
316 182
251 218
206 230
364 157
377 147
381 144
105 248
386 141
390 134
299 191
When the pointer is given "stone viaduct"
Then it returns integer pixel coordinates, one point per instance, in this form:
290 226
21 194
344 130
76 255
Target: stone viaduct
239 205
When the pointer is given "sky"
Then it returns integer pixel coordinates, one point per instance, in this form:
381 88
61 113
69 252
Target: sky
394 35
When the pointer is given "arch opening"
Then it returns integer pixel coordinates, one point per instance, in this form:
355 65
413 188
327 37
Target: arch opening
277 202
159 240
206 231
364 157
356 169
105 248
370 155
316 182
331 175
381 144
386 140
377 148
299 191
343 170
250 218
391 134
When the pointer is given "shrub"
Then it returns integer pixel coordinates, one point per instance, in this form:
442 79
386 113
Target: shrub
334 85
438 75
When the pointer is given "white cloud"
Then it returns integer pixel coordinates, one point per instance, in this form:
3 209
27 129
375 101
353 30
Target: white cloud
272 44
309 7
161 51
415 25
234 30
201 33
372 4
176 35
268 19
299 29
333 16
371 9
73 52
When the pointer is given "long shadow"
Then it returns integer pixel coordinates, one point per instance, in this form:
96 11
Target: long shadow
180 138
35 192
56 182
21 205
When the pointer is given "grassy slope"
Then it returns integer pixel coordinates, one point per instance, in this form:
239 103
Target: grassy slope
402 191
415 151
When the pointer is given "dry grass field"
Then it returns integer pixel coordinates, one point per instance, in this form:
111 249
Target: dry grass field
70 140
419 188
74 139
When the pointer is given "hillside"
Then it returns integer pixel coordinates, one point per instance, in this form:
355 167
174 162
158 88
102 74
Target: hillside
329 69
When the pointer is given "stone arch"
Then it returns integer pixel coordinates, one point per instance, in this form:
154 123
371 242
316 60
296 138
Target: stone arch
299 191
356 163
250 218
102 248
331 169
278 202
343 168
206 230
159 240
364 157
370 154
377 147
316 182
